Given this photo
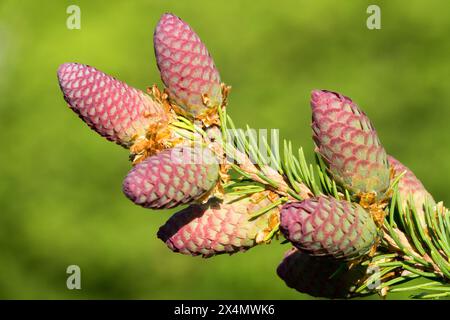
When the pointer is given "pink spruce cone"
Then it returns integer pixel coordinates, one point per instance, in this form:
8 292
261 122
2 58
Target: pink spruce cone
319 276
348 143
113 109
410 186
186 67
325 226
172 177
215 228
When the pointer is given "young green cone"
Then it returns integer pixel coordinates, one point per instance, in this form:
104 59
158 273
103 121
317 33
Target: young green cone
216 228
319 276
172 177
348 143
325 226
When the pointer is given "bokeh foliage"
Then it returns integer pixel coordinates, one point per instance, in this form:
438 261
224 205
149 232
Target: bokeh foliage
60 184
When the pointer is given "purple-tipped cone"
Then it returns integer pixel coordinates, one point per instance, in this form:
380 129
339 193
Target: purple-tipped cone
325 226
186 67
410 186
348 143
216 228
115 110
172 177
319 276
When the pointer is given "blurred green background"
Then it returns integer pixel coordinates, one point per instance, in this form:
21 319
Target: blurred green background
60 184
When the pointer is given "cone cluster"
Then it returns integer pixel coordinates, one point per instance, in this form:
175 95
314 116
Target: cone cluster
330 235
173 172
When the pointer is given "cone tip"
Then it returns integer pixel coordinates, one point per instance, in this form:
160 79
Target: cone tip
63 68
167 16
322 96
318 96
